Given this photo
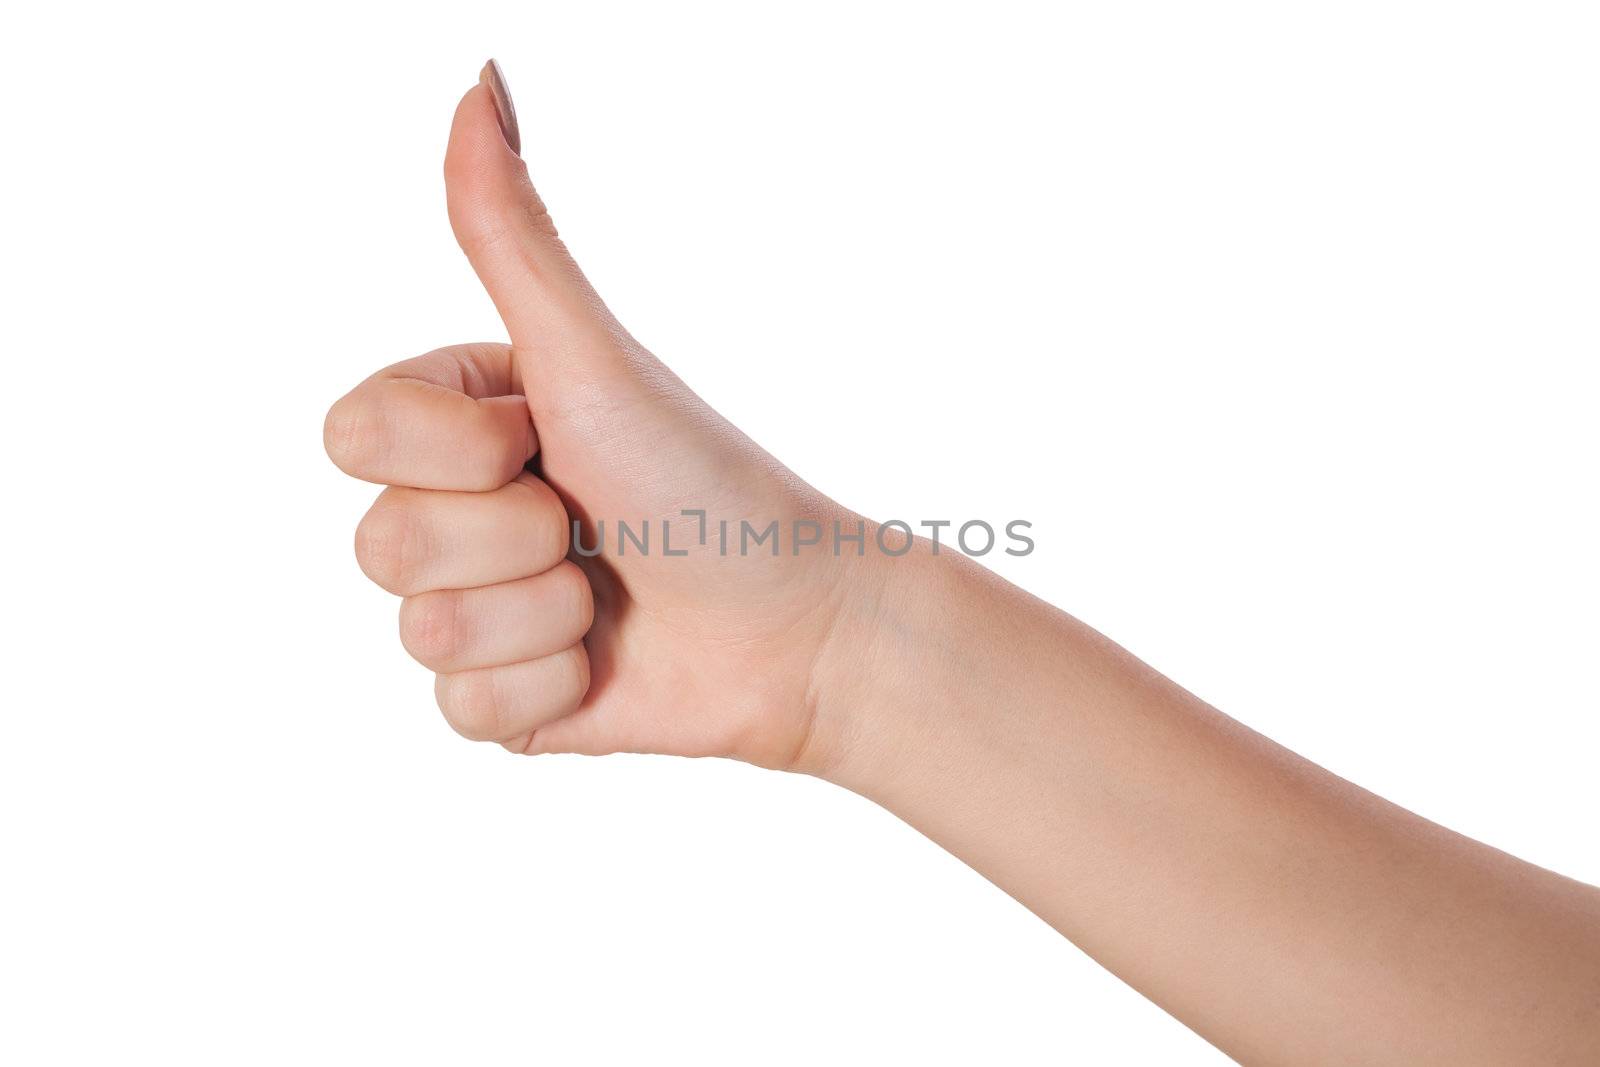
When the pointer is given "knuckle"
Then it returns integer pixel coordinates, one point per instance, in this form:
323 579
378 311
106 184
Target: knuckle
341 430
432 627
484 234
389 545
472 706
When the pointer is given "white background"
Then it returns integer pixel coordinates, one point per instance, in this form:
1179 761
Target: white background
1279 321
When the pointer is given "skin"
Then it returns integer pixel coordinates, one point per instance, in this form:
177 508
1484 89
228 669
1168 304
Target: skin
1284 914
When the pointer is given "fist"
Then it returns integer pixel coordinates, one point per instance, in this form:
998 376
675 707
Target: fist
474 544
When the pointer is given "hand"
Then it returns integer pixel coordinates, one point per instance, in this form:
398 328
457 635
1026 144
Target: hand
537 646
1279 911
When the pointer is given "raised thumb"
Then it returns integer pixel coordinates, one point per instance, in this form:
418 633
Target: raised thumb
547 304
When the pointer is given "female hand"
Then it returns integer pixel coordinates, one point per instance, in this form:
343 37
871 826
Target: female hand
1283 913
686 647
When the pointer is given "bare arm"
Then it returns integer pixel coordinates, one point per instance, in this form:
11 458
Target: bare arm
1284 914
1281 912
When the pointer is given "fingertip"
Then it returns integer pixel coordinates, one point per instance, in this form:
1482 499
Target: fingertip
482 175
475 137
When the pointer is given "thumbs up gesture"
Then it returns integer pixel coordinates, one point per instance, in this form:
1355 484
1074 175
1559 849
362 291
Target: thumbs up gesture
623 597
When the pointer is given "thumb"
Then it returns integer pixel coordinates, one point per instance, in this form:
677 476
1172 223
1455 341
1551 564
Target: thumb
547 304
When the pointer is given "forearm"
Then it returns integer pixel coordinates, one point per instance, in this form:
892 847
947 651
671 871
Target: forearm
1283 913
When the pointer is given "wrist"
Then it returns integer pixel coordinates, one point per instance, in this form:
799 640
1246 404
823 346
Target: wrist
894 631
